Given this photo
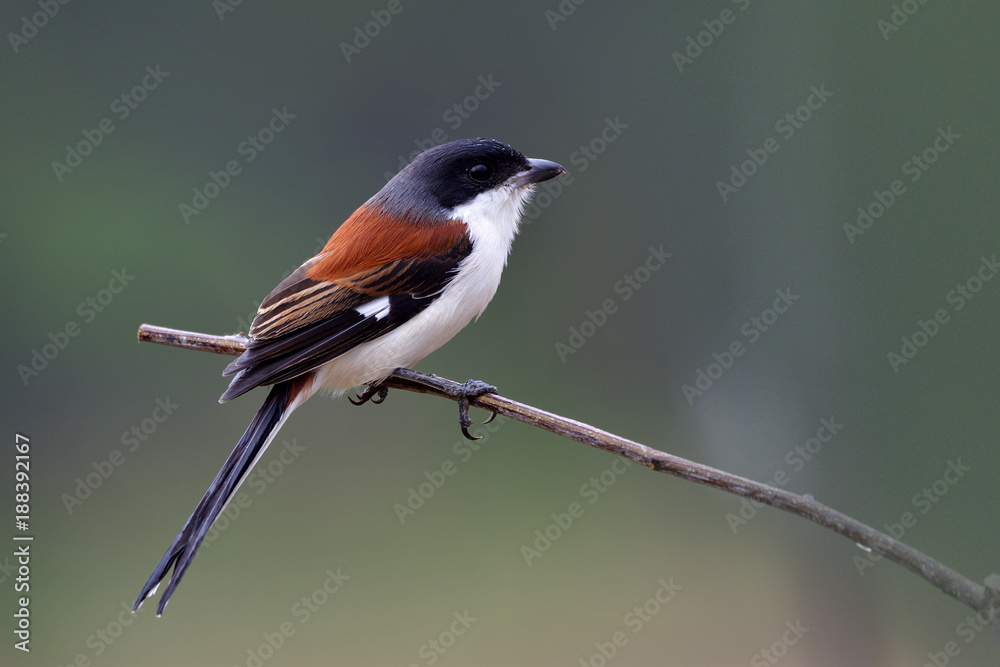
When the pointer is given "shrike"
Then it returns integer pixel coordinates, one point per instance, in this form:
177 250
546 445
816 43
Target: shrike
399 278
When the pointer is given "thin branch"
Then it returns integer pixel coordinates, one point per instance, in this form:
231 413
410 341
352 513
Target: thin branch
985 599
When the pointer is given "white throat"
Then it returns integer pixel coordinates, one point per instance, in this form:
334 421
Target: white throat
492 218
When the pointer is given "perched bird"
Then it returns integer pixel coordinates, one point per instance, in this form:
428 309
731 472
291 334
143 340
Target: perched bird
398 279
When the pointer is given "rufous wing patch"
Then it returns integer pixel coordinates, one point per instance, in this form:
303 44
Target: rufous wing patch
370 239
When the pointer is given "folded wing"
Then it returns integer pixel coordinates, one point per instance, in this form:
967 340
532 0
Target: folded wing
342 298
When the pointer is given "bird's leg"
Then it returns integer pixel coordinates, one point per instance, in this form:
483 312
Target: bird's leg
375 393
471 389
461 393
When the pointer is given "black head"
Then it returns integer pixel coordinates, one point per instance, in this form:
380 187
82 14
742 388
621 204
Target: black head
452 174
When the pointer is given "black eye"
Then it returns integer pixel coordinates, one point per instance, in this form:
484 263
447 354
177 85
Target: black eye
481 172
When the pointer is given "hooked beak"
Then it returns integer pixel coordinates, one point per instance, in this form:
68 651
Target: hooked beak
537 171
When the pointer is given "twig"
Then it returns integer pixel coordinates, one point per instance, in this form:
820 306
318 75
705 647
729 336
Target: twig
984 599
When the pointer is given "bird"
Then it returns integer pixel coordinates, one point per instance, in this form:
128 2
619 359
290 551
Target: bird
408 270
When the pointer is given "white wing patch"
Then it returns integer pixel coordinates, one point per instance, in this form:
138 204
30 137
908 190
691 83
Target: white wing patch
378 308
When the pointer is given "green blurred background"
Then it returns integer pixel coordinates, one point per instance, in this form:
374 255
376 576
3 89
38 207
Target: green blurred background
330 501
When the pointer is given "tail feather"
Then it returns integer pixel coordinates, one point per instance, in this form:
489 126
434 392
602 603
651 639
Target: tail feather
251 446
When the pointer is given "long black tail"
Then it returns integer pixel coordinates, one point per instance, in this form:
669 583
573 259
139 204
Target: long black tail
256 438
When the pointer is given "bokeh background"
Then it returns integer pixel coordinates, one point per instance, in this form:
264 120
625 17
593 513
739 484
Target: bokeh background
647 136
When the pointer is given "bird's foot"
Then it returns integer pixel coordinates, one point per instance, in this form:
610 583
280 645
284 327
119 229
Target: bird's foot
375 393
471 389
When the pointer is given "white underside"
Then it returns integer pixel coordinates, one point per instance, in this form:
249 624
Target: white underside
492 220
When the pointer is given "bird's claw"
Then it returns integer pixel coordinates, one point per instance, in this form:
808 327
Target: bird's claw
471 389
375 393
